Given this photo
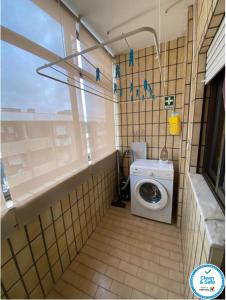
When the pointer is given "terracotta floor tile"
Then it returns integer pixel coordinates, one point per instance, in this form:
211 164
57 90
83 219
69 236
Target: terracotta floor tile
115 274
148 276
172 285
104 294
178 276
68 291
82 270
126 257
121 289
139 295
80 283
92 262
174 296
155 291
169 263
102 280
135 282
127 267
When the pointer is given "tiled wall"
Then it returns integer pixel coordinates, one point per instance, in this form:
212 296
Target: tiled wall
203 21
207 18
35 256
188 51
147 120
28 269
196 247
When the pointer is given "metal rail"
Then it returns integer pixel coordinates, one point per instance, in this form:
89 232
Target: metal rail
101 45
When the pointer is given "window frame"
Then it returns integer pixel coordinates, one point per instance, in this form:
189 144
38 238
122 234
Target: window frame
29 46
217 83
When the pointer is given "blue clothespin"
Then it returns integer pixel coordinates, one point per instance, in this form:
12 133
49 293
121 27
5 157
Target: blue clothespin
115 88
131 98
117 71
145 85
151 92
137 93
142 98
131 57
120 92
97 74
131 87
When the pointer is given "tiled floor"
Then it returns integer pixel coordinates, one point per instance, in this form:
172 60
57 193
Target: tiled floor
126 257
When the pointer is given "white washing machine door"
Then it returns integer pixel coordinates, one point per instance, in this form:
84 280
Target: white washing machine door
151 194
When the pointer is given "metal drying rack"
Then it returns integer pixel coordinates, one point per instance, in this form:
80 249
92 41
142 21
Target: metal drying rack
99 45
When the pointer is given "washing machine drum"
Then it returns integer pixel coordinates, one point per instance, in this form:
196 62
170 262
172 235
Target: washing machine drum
151 194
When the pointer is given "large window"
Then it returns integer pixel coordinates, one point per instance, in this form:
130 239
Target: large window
31 21
48 129
99 113
214 154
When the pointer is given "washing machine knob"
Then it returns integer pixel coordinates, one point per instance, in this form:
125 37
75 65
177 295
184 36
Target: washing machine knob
150 173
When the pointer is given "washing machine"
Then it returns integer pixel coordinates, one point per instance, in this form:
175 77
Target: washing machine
152 189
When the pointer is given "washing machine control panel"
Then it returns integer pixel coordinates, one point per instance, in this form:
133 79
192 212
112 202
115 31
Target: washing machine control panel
151 173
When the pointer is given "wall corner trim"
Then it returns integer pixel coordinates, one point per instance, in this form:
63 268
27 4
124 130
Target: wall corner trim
210 210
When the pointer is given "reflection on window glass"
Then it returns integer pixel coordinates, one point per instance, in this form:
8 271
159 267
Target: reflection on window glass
38 134
26 18
23 89
218 129
4 183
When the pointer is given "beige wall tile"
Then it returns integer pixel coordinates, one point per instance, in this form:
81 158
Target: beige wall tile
17 291
30 279
65 203
34 229
9 274
47 283
37 293
42 266
46 218
37 247
56 210
18 240
24 259
5 252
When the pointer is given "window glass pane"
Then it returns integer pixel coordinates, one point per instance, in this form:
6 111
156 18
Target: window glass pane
23 89
150 192
27 19
98 112
4 184
214 132
222 174
100 125
217 130
41 133
219 124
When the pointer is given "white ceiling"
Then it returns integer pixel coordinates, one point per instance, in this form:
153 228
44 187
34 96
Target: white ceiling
121 16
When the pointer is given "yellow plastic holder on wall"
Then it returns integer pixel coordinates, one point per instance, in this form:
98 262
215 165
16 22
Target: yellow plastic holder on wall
174 123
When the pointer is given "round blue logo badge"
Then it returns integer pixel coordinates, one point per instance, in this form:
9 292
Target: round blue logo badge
207 281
